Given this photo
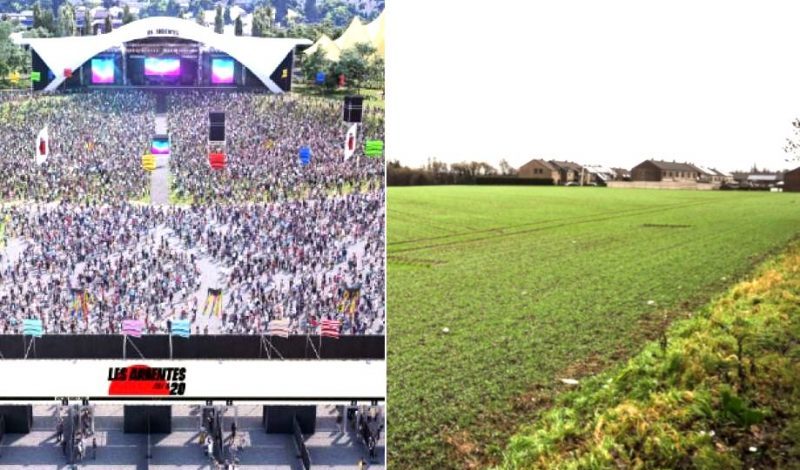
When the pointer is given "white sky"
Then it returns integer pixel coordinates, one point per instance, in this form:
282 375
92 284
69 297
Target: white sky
716 83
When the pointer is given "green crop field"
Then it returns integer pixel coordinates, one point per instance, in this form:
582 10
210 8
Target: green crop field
535 284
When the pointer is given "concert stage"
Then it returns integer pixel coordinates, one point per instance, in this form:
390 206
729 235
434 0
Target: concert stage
163 53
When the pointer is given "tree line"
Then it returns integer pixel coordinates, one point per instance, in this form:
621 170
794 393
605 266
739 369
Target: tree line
329 15
436 172
360 65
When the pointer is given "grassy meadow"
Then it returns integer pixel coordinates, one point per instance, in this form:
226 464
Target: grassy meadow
535 284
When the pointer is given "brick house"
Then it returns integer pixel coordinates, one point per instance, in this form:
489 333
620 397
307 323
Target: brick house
791 180
541 170
570 172
658 170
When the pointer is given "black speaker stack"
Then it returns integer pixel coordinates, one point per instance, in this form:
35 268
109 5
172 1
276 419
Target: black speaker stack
353 107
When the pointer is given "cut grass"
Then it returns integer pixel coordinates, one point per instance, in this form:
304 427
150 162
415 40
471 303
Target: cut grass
696 399
372 98
534 283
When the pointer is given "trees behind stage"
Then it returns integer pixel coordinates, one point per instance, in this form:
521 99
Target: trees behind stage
12 57
360 66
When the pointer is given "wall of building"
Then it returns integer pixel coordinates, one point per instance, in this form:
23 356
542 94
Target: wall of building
690 185
646 172
791 181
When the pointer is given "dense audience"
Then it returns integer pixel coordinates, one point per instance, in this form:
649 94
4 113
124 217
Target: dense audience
81 252
264 136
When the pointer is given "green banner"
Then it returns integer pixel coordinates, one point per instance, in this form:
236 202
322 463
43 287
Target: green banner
36 76
373 148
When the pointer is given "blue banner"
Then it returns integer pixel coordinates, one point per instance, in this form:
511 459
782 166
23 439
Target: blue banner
32 328
182 328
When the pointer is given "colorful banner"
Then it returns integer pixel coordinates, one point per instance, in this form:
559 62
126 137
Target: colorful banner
32 327
373 148
182 328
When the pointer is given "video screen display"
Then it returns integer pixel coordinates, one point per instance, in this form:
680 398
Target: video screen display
160 146
221 71
102 70
162 67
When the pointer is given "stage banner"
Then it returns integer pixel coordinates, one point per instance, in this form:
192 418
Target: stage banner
269 379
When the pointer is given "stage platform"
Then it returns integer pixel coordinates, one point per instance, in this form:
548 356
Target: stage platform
329 447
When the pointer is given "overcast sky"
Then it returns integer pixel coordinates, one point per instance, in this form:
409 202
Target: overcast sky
613 82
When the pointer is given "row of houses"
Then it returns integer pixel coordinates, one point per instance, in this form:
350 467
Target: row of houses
570 173
563 172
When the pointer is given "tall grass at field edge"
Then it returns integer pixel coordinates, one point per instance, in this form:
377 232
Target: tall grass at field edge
720 390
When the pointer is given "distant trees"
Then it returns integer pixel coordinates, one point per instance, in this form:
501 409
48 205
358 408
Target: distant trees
310 11
313 63
87 23
172 9
12 57
358 64
262 22
218 24
436 172
506 169
66 20
281 10
43 18
793 143
127 16
338 12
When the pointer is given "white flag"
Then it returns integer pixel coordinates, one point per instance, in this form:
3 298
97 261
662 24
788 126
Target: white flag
350 142
42 146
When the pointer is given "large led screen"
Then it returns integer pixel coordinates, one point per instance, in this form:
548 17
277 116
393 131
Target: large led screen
162 67
221 70
159 146
102 70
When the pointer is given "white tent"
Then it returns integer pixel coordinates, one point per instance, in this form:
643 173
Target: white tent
260 55
357 32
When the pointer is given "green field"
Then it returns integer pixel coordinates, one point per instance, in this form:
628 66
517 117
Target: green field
537 284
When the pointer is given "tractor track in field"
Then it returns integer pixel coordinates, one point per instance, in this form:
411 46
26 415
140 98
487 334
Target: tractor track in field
509 227
416 219
568 222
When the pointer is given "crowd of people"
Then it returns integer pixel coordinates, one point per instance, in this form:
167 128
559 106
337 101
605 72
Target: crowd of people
264 135
95 139
82 252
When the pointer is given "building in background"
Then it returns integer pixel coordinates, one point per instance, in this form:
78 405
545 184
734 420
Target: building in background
791 180
658 170
540 170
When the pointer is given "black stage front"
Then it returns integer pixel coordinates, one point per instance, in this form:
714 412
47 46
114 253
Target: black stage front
195 347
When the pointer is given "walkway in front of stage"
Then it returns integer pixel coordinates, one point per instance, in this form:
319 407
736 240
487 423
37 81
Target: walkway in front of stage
180 450
159 178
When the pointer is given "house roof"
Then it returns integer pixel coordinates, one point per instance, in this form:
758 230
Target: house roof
674 166
566 165
541 162
764 178
602 172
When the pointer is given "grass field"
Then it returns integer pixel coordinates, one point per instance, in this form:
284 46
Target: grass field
537 284
720 390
